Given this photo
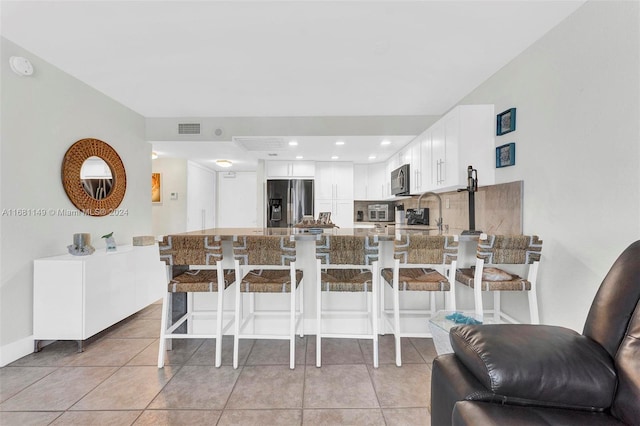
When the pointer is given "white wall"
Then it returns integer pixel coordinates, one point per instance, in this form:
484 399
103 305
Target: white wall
170 216
42 116
201 197
237 206
577 92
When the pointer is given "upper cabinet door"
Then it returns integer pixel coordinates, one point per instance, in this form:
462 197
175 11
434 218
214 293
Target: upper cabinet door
290 169
334 180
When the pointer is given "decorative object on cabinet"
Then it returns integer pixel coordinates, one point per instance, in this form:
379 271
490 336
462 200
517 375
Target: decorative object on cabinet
80 191
506 122
156 188
110 241
81 245
506 155
324 218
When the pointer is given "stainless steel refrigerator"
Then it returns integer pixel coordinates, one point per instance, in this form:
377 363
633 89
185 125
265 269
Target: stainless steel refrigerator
288 200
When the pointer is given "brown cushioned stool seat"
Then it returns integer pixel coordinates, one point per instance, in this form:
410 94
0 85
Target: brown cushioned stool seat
353 280
516 283
418 279
268 281
200 280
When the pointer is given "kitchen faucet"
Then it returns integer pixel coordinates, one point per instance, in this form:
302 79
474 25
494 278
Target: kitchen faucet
439 220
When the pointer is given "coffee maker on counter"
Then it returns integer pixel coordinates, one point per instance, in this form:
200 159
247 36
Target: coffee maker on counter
418 217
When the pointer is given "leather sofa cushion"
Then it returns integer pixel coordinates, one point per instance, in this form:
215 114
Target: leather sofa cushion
467 413
537 365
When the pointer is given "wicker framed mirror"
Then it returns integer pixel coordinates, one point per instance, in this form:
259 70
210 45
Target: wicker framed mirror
94 194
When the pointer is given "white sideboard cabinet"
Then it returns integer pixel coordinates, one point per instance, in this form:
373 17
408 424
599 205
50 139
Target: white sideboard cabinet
75 297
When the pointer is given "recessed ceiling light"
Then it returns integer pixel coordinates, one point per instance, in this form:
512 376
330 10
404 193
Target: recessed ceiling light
293 143
224 163
372 157
299 157
385 142
339 143
334 157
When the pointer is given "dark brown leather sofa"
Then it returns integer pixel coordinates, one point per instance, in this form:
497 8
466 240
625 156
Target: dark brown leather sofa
545 375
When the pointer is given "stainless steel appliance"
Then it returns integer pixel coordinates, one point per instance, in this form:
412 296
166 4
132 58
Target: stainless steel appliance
417 217
288 200
380 213
400 180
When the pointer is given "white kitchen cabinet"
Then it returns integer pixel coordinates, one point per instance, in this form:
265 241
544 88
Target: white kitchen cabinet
377 181
369 181
290 169
462 138
76 297
334 190
420 166
334 180
360 181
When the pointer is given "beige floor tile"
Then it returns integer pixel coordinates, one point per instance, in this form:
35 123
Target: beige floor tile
101 418
335 351
339 386
387 351
406 386
260 417
178 418
197 387
56 354
369 417
33 418
15 379
206 355
59 390
426 348
136 328
182 350
267 387
130 388
407 416
276 352
153 311
110 352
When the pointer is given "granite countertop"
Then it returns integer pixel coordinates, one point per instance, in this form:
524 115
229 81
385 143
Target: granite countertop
384 232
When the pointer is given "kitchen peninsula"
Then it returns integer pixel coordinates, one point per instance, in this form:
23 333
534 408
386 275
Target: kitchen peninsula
306 261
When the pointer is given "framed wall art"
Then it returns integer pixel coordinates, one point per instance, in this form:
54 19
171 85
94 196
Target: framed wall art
506 155
506 122
156 188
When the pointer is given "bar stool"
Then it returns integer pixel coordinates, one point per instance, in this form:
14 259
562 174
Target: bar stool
347 264
267 264
421 263
504 250
181 252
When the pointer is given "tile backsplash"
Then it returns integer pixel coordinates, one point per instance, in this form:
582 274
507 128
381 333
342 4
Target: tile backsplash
498 208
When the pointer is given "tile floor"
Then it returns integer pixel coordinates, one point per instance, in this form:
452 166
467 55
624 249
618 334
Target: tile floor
116 382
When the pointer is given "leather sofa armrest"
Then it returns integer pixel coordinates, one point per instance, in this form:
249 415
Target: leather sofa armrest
537 365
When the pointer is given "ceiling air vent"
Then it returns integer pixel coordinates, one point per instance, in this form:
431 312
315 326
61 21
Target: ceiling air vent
188 128
261 144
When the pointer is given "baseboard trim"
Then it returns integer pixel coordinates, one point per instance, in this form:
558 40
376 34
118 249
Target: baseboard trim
15 350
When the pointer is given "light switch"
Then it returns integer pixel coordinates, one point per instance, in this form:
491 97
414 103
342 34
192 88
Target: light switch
174 195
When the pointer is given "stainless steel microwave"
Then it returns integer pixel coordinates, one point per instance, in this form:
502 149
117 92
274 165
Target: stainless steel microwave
400 180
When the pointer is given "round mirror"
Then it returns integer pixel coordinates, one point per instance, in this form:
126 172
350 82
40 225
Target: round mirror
97 179
93 177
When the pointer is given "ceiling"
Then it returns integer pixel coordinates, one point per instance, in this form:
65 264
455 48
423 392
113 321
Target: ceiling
281 59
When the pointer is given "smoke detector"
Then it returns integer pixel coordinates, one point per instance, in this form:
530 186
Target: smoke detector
21 66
